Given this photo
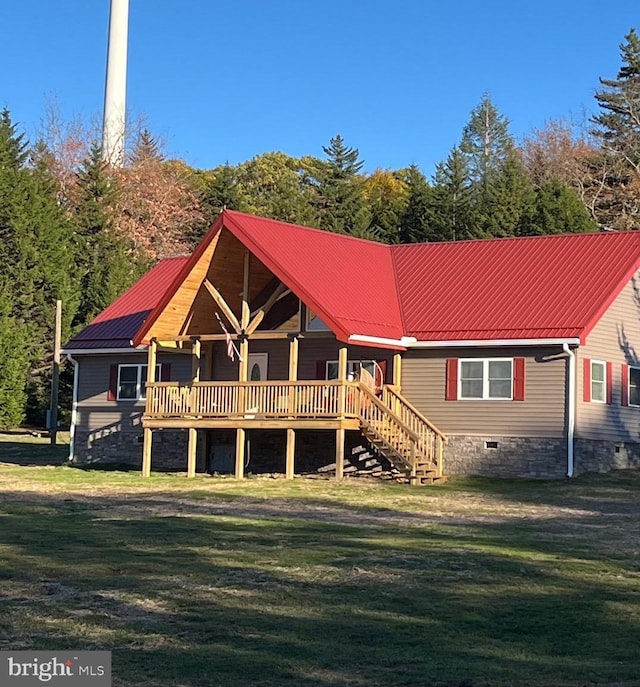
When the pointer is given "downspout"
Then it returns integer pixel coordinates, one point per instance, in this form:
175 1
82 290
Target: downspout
74 406
571 407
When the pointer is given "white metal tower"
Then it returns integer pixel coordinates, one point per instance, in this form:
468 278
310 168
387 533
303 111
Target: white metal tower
113 125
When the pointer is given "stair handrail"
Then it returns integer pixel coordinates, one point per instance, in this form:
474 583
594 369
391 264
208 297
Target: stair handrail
388 389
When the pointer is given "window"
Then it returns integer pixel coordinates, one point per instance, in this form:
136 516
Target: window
598 381
489 378
353 369
634 386
131 381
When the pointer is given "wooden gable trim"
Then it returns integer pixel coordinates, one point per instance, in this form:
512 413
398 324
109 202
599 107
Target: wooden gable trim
196 267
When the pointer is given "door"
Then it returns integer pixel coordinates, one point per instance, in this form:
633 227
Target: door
258 366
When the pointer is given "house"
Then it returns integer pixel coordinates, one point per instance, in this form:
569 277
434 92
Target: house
505 357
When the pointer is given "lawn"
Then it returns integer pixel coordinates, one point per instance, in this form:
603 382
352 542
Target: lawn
311 582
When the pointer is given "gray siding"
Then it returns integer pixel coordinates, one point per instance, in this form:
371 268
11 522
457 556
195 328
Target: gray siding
541 414
309 353
95 412
614 339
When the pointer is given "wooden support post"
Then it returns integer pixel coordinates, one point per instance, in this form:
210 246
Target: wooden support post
196 354
146 452
293 407
242 398
340 454
55 377
342 376
147 436
397 371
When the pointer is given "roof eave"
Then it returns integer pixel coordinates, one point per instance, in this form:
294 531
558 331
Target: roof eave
489 343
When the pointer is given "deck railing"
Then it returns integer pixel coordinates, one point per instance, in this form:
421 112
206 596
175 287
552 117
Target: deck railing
269 399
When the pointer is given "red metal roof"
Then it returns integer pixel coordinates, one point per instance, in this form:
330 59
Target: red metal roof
116 326
523 288
348 282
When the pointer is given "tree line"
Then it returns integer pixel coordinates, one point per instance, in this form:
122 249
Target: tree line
74 228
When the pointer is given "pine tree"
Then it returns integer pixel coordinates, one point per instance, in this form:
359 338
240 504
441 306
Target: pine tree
223 191
556 209
414 221
486 142
451 209
618 124
617 127
14 364
338 190
106 265
146 148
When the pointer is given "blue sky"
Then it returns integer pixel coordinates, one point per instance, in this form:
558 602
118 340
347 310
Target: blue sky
229 79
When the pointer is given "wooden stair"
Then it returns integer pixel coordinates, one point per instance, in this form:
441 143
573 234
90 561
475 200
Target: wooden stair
411 443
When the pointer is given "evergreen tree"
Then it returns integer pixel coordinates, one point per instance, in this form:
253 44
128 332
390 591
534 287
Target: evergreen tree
14 364
486 142
556 209
505 201
338 190
13 146
105 263
618 124
617 127
414 221
146 148
223 191
451 210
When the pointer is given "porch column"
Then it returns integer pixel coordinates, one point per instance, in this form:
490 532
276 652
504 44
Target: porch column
196 351
397 371
147 436
342 376
291 433
240 432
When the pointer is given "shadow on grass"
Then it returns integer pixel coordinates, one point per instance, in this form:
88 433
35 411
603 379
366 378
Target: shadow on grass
266 596
31 453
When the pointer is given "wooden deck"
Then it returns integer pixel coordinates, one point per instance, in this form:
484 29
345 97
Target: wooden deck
390 423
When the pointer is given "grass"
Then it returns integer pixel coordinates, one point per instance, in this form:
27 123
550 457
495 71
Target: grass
305 583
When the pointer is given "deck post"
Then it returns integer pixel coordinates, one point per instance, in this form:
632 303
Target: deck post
242 398
397 371
291 433
342 399
196 352
147 436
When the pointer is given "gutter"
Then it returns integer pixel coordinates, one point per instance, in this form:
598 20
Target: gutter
412 342
101 351
74 406
571 407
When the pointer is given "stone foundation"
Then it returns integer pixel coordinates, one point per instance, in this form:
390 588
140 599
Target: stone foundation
593 455
510 457
169 449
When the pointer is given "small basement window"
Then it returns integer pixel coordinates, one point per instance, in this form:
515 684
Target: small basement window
491 444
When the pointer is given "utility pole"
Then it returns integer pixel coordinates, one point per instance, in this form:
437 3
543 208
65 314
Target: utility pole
55 377
113 126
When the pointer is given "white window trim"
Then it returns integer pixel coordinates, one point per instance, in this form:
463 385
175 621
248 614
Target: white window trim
632 405
485 379
140 390
594 361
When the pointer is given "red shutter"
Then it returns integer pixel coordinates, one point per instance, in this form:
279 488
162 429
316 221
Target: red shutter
518 379
112 392
321 369
624 388
383 370
165 372
609 383
451 392
586 382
